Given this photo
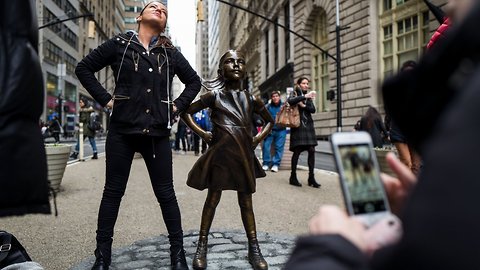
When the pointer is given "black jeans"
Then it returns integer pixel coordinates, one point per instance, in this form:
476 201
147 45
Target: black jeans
156 151
311 157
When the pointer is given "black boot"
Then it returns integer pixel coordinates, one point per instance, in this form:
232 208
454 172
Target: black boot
312 182
101 262
294 180
200 258
74 155
255 257
95 155
177 257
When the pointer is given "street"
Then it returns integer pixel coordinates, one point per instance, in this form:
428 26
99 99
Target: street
323 157
68 241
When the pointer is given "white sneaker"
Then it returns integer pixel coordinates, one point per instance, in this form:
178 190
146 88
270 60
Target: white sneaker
265 167
274 168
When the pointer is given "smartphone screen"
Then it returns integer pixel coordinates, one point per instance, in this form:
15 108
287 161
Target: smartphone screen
362 179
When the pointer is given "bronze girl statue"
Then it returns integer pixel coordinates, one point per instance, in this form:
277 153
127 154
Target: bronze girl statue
230 162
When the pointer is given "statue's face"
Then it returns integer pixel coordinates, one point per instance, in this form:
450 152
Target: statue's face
233 66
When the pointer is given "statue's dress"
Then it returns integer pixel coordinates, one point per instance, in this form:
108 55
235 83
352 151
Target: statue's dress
230 162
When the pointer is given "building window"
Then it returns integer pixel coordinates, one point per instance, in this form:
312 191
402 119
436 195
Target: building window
404 32
387 5
71 63
401 2
320 74
50 17
51 84
70 91
52 52
130 8
71 38
387 50
130 20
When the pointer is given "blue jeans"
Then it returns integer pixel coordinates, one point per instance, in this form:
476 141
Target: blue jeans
92 143
277 137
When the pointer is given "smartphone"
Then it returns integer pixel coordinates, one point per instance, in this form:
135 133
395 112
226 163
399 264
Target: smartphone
359 175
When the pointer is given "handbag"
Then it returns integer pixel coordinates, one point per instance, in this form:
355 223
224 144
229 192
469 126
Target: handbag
288 116
11 251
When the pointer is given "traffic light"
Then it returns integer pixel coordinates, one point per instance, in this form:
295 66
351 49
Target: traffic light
200 15
331 95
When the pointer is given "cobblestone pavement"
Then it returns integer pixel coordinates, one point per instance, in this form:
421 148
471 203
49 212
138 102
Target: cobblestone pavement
226 250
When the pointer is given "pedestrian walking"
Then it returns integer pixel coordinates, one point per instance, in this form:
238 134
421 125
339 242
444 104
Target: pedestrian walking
144 65
276 137
303 138
88 131
55 128
230 162
372 123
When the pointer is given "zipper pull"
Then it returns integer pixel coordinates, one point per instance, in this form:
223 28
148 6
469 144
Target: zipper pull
136 67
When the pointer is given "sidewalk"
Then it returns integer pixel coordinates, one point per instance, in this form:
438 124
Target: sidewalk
67 241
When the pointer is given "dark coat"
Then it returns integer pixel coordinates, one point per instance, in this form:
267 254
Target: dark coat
377 131
305 134
85 119
23 167
141 94
441 218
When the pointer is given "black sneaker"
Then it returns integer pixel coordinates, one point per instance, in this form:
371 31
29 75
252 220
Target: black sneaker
74 155
95 156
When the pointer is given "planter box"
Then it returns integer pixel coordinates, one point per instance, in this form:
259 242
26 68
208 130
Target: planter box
381 153
57 157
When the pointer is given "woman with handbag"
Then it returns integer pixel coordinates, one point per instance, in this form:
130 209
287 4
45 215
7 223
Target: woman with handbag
303 137
144 65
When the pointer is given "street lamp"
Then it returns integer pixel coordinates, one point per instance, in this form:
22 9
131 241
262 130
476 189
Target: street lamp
339 69
336 58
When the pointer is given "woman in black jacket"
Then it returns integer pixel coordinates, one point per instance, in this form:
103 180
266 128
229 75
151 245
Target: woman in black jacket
372 123
303 138
144 65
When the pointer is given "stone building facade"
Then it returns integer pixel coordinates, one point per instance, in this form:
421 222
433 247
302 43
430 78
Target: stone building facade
380 36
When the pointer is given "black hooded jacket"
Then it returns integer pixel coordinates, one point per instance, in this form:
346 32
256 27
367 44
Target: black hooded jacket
23 166
143 83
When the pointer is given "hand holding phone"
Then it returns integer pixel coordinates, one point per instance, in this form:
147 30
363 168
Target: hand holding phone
359 175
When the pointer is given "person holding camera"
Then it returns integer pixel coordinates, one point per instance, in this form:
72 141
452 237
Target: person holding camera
88 132
303 138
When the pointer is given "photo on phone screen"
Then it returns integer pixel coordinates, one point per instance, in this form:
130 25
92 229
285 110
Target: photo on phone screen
362 180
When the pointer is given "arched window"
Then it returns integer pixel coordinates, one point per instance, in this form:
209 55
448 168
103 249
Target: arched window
320 78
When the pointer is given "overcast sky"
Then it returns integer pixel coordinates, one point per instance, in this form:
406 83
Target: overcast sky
182 19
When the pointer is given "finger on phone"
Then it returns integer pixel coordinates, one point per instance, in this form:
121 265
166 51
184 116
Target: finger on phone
404 174
389 182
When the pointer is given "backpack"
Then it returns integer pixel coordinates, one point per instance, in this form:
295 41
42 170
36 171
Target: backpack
94 123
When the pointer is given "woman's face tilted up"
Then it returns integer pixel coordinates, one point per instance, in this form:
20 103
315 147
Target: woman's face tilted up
155 14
